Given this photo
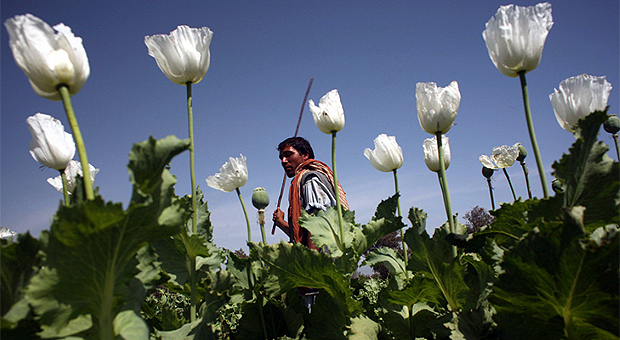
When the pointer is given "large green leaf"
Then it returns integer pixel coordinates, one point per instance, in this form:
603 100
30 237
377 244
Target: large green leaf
92 272
574 295
433 258
294 265
325 230
589 176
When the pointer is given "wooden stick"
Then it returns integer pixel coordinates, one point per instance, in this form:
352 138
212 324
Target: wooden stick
303 104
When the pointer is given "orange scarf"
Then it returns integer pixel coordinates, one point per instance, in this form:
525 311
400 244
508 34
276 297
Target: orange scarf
300 234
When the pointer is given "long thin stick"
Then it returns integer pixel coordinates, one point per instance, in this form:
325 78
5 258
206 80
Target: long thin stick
303 104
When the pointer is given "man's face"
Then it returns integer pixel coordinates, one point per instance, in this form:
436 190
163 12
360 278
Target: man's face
290 159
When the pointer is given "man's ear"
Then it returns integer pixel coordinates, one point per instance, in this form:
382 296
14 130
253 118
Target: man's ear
305 157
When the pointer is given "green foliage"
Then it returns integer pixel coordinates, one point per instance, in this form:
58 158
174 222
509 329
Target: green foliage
556 281
93 282
545 268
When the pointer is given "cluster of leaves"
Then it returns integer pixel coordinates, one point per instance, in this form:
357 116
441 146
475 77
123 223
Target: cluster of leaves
542 268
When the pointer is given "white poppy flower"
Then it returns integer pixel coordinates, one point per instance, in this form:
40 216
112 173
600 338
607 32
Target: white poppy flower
515 37
437 106
387 155
49 59
183 55
233 174
329 115
502 157
74 168
50 144
431 153
577 97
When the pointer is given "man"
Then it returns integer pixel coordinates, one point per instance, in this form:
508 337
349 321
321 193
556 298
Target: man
312 188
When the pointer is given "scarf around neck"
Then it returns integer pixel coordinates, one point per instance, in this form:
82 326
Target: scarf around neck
299 234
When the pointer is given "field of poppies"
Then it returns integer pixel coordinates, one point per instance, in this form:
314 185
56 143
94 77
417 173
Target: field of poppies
544 268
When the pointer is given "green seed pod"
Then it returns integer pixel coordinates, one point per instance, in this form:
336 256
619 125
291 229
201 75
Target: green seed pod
260 199
486 172
612 124
522 153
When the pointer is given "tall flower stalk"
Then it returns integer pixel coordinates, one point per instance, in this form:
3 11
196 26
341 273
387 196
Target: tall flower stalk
488 173
245 212
437 109
338 205
184 57
79 141
530 129
526 172
190 119
515 38
444 182
329 118
388 156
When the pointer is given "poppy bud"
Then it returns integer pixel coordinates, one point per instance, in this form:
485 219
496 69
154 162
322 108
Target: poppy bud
522 153
612 124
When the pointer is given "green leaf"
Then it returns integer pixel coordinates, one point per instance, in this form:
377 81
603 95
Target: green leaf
148 159
589 175
383 222
325 230
419 290
433 258
91 267
387 257
294 265
575 294
363 328
18 261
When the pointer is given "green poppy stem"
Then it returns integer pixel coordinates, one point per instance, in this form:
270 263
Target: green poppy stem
402 233
491 193
530 127
245 212
510 183
336 187
79 141
261 222
190 118
526 173
615 135
65 193
444 187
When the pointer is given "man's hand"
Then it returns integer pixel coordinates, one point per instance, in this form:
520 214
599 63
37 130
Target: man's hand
278 219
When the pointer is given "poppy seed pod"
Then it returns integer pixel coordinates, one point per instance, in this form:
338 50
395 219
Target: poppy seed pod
612 124
260 199
486 172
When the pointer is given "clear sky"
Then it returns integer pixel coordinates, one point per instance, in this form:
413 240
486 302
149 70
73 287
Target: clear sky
263 54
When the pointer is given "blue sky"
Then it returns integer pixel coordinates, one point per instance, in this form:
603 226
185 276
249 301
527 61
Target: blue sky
263 54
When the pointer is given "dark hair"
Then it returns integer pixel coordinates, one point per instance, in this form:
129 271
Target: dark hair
298 143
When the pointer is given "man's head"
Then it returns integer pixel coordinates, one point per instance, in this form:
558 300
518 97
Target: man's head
294 151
